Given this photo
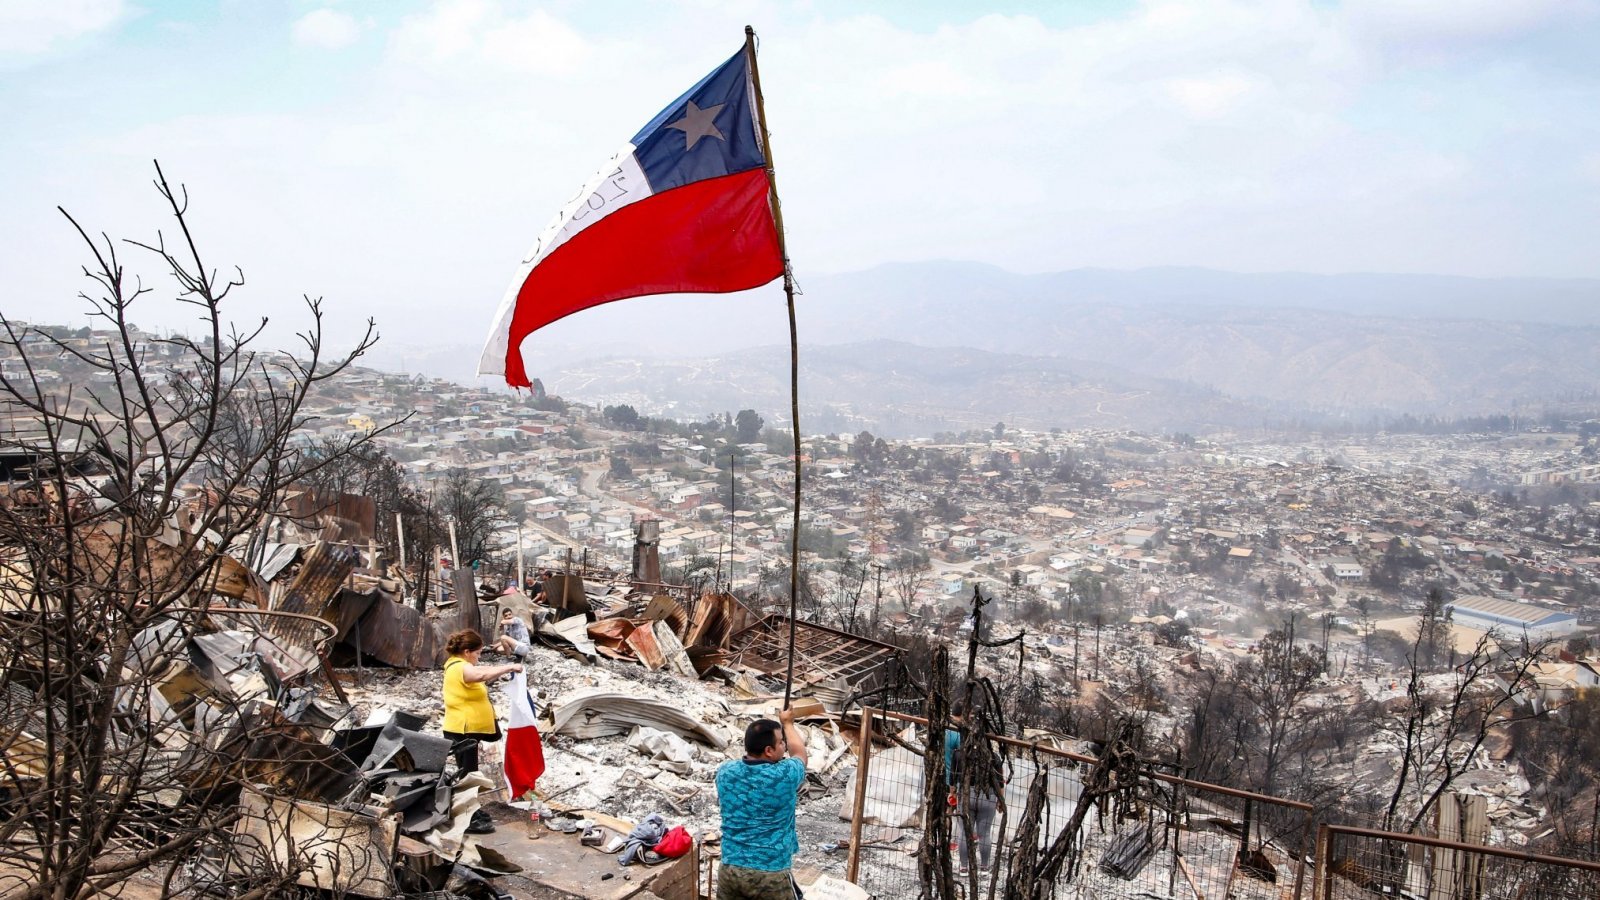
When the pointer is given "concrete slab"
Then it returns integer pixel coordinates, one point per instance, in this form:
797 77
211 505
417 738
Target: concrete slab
558 867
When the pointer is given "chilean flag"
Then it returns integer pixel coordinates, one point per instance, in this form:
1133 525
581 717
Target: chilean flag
524 761
683 208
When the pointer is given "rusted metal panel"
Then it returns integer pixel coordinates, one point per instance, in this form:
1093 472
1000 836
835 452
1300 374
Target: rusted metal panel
704 658
311 593
171 559
611 629
716 617
610 636
355 515
566 592
348 609
643 642
398 635
267 749
231 578
321 576
663 608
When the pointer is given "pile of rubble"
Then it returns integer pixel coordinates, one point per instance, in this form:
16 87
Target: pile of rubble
308 686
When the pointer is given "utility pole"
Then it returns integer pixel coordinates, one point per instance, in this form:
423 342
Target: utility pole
1098 621
877 600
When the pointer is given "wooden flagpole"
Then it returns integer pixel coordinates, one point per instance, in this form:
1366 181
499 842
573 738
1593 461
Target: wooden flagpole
794 352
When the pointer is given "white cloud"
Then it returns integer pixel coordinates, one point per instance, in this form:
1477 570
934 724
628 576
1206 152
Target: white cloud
1228 133
327 28
483 32
33 28
1444 23
537 43
1208 98
446 31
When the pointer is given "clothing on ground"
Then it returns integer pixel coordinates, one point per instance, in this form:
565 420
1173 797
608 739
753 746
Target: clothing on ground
643 836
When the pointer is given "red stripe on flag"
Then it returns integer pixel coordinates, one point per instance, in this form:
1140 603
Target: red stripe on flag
713 237
524 759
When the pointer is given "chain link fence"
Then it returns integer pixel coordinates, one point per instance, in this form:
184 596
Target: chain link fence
1362 862
1148 834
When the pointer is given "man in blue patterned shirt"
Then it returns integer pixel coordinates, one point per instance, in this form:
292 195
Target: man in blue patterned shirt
758 796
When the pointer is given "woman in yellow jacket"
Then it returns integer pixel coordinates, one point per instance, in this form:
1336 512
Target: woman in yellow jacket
468 714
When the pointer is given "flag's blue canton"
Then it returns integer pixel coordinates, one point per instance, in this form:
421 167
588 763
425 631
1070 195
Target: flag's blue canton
664 152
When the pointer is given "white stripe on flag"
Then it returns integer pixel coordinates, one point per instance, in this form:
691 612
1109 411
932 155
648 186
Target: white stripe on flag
619 183
521 713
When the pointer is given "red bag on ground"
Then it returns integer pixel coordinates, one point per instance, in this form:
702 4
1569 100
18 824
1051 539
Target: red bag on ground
676 842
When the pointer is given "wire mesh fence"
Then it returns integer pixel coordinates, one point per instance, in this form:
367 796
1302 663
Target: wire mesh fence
1360 862
1141 832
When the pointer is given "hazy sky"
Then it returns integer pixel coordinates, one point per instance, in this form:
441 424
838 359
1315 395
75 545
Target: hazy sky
399 157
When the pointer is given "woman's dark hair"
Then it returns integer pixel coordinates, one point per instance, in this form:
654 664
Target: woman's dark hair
959 708
463 641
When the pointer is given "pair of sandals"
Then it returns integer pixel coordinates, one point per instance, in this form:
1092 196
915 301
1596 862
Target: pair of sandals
563 824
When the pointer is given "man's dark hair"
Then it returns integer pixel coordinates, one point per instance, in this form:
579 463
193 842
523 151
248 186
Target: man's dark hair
761 734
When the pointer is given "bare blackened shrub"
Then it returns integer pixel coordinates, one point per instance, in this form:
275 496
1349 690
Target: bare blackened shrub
131 486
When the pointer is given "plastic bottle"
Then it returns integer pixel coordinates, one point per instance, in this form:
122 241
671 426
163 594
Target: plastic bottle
535 826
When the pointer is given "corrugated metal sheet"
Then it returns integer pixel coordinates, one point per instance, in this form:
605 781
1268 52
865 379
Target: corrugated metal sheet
277 558
314 588
643 642
397 635
599 713
662 606
716 616
348 609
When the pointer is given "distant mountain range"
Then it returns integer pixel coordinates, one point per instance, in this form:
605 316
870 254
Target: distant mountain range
1151 348
895 389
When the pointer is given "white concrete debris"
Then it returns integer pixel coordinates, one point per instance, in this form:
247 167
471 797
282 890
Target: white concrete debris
608 773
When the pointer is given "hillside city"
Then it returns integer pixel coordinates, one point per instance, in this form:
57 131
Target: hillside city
1145 572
